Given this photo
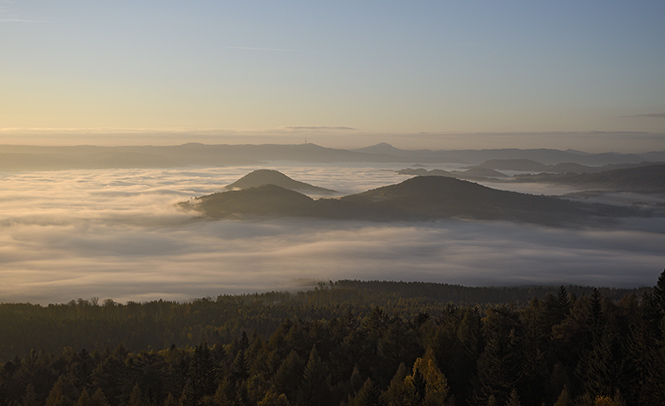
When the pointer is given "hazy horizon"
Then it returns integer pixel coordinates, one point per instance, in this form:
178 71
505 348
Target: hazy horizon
442 75
588 142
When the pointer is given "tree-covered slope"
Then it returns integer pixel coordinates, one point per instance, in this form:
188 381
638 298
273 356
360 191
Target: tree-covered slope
345 343
649 179
420 198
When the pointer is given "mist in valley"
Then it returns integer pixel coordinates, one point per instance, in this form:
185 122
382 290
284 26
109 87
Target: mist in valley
118 233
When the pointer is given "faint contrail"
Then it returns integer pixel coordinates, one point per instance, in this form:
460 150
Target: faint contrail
263 49
19 20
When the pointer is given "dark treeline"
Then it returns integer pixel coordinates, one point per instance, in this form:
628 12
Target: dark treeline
96 325
343 343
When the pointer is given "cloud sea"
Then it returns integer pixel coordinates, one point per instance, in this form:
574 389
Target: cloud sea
119 234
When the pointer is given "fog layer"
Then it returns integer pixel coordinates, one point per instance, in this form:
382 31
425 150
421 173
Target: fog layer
118 234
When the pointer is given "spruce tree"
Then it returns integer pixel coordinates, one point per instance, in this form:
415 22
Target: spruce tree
289 375
136 398
315 388
369 395
563 301
564 398
513 399
62 393
273 399
96 399
398 392
240 367
659 294
30 396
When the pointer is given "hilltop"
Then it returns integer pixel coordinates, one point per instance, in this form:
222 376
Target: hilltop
262 177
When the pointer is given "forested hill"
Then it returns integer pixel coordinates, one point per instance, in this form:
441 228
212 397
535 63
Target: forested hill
343 343
644 179
421 198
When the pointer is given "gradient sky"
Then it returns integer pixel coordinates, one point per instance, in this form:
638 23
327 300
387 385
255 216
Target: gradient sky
334 67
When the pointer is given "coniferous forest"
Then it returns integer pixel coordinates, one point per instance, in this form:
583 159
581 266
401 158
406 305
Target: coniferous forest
343 343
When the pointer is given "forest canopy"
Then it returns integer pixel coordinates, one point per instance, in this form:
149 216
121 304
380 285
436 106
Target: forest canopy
345 342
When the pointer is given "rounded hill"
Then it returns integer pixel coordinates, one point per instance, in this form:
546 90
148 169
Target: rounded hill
262 177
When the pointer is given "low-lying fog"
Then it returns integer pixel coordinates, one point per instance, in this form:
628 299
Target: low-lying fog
118 234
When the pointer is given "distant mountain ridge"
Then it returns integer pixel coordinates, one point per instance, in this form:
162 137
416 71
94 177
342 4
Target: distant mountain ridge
528 165
473 173
23 157
542 155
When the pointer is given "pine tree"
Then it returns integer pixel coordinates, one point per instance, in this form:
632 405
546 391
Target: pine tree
461 356
597 319
369 395
203 371
136 397
375 325
315 388
436 392
399 393
564 398
84 399
111 377
513 399
563 301
242 395
30 396
659 294
601 367
61 393
289 375
644 383
225 393
609 401
398 343
170 400
273 399
240 367
500 364
356 381
96 399
244 341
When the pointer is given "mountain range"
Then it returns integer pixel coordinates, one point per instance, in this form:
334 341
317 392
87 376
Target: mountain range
24 157
421 198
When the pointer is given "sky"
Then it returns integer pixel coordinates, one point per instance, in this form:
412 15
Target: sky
585 74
